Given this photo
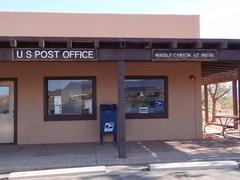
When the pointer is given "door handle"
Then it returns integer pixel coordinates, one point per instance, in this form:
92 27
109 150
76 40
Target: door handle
13 112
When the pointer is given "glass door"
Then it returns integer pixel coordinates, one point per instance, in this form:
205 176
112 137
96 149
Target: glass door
6 111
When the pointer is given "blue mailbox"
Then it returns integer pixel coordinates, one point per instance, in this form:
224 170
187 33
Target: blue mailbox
108 120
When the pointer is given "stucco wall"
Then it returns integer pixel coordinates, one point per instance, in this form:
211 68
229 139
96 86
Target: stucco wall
99 25
184 120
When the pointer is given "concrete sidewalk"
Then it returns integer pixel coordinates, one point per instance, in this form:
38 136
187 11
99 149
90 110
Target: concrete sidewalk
34 157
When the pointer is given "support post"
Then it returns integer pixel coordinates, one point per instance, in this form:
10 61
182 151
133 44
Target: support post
234 99
206 104
238 76
121 110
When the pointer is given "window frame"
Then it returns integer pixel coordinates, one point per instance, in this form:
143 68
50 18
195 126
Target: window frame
48 117
162 115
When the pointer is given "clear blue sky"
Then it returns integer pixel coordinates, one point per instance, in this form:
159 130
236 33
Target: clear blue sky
219 18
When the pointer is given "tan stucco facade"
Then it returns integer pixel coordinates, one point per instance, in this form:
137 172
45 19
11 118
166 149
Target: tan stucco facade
184 121
99 25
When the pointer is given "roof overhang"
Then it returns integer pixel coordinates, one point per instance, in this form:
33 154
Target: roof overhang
136 49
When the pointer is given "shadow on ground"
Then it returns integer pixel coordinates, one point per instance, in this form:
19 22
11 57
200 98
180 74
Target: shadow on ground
47 156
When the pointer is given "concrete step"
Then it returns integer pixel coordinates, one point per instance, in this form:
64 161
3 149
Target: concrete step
203 165
56 172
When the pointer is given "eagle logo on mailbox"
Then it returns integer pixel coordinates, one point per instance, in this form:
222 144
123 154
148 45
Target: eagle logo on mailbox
109 127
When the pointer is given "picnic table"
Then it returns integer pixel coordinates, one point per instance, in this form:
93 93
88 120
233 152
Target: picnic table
227 124
227 120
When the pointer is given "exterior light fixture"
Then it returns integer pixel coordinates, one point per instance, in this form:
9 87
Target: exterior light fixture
192 78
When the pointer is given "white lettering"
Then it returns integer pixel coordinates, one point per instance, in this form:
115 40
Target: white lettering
207 55
196 55
54 54
184 55
77 54
36 54
65 54
163 55
46 54
43 54
90 54
19 54
50 55
84 54
28 54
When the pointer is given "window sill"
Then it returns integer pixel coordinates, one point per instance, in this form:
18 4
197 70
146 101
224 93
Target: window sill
147 116
70 118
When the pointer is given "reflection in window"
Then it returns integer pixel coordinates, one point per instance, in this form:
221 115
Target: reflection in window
70 97
145 95
4 99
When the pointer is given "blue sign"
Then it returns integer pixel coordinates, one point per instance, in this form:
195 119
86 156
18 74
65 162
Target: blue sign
159 105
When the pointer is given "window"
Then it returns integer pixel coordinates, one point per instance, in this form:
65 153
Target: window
146 97
71 98
4 99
